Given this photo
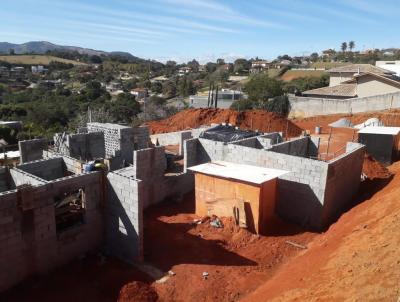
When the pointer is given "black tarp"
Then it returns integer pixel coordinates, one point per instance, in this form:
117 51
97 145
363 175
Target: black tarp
226 134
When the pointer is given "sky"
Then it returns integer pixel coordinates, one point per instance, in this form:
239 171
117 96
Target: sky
205 30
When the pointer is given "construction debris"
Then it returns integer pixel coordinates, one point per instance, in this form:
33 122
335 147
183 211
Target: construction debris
216 222
342 123
372 122
300 246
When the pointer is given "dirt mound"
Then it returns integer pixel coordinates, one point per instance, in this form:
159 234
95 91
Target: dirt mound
374 169
357 259
137 292
252 119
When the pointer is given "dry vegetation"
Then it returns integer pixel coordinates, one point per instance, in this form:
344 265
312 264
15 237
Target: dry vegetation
36 59
295 74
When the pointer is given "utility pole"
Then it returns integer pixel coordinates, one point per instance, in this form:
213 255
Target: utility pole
216 98
209 95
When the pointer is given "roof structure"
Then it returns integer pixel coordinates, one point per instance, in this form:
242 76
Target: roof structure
383 78
342 90
247 173
361 68
380 130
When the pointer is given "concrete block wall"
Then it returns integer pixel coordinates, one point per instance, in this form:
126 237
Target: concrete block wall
4 179
343 181
32 149
295 147
149 166
13 263
70 164
301 193
29 240
380 146
20 177
251 142
141 137
47 169
177 137
124 215
149 163
117 138
309 106
190 153
85 146
174 138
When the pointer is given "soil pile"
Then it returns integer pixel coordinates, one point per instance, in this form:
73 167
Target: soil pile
357 259
137 292
261 120
374 169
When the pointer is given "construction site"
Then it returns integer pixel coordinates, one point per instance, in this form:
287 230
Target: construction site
207 205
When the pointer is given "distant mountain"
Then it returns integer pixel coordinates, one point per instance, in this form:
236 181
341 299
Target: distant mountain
41 47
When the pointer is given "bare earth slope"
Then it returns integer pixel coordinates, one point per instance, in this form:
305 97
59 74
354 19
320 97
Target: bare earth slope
357 259
250 119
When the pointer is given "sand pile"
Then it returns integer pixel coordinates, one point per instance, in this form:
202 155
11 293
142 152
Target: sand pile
252 119
374 169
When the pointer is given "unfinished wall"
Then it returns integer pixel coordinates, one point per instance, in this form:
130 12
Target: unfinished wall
117 139
85 146
4 179
32 149
380 146
150 167
29 240
141 137
301 193
302 147
47 169
176 138
124 215
20 177
70 164
343 182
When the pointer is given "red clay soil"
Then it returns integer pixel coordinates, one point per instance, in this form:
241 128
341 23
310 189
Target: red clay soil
137 292
357 259
388 117
374 169
251 119
93 278
236 260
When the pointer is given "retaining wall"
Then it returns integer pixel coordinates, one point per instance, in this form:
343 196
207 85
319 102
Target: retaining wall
309 106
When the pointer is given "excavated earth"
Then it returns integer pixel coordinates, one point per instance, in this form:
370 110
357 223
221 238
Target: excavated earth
250 119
